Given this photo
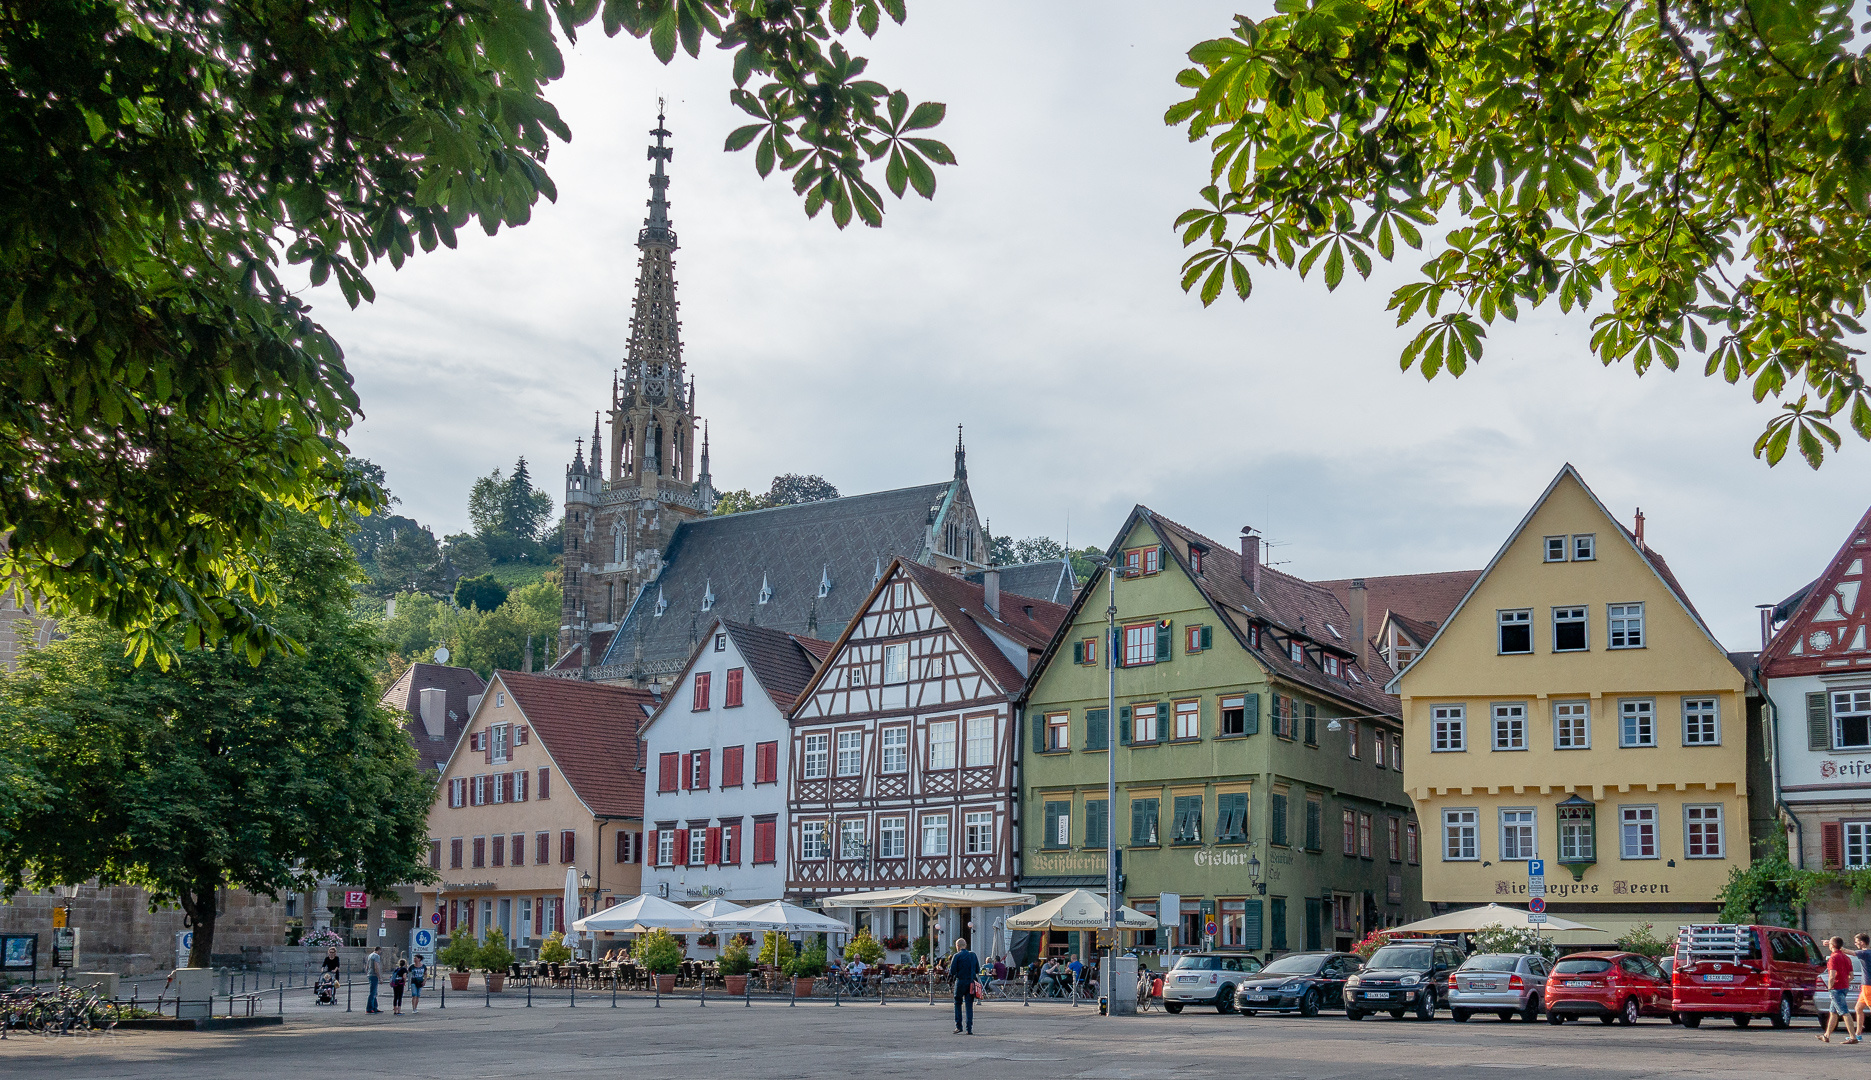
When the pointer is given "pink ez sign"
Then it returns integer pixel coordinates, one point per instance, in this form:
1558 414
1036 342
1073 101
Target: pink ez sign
356 898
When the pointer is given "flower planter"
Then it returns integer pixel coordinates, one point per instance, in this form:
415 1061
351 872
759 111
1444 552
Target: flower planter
737 984
458 981
802 987
665 984
496 981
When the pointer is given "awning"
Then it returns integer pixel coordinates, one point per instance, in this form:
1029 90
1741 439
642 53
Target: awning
1473 919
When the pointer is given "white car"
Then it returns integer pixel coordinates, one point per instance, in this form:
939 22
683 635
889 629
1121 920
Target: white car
1206 979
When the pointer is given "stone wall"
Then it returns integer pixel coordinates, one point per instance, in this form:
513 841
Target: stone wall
121 934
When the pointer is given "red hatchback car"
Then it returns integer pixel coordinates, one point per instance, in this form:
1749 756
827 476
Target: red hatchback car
1613 986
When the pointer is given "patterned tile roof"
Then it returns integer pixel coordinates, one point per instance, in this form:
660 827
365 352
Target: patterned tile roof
405 695
590 730
1051 580
1029 621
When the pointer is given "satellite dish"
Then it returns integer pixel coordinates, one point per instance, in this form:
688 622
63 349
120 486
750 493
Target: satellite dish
441 654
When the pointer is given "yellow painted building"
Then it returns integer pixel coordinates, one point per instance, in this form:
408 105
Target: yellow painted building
1575 708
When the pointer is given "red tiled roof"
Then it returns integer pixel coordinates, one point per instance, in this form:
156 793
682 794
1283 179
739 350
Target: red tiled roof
1419 600
590 729
782 662
1028 620
405 695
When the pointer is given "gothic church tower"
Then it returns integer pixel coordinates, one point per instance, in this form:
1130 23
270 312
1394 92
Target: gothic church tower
618 525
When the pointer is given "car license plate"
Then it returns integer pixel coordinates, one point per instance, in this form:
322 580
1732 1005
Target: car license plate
1373 995
1481 986
1189 979
1257 997
1718 978
1579 982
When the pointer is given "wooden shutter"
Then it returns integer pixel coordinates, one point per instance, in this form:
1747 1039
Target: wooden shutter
1136 821
454 854
1831 843
1251 929
1818 722
487 749
711 846
666 767
500 849
435 854
682 847
542 849
1078 652
1123 725
480 851
519 735
703 761
512 787
517 849
764 834
545 783
1097 729
1037 722
1165 632
688 766
766 763
732 765
701 691
568 845
623 846
1250 714
732 696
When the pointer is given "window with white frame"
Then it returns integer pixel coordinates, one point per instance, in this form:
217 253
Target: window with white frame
499 732
980 741
1584 547
1143 724
1570 629
1701 722
1295 651
1637 828
1188 719
1625 625
1396 750
1140 644
812 842
1851 719
1857 840
1576 842
1637 722
1555 549
896 664
1450 728
891 836
1516 631
817 757
1572 725
942 745
1458 836
665 847
850 753
698 846
1058 731
935 834
1517 836
1702 831
851 839
978 835
896 749
1510 726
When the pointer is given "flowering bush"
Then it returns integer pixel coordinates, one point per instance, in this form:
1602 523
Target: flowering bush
322 939
1496 938
1372 942
1643 941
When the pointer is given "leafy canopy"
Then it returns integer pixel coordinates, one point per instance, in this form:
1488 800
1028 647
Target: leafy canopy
1696 173
166 401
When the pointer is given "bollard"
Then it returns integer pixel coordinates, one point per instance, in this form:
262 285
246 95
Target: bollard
658 988
529 993
747 993
487 995
613 992
574 985
704 991
282 999
444 985
347 996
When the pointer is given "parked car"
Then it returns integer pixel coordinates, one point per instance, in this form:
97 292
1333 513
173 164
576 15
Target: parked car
1206 979
1616 987
1298 982
1744 971
1500 983
1400 977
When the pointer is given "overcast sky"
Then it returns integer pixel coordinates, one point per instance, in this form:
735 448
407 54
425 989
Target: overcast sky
1035 301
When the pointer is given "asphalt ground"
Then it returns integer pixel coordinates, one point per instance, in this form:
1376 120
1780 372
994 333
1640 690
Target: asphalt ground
469 1040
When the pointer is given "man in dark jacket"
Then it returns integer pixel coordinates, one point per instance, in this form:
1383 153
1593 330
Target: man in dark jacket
964 967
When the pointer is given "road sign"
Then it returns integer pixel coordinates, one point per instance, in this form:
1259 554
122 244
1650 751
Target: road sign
422 939
61 917
1537 905
1536 877
435 918
1210 928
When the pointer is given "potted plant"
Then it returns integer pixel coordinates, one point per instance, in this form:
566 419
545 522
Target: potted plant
707 941
554 950
494 959
459 956
864 947
919 949
776 952
805 968
734 965
658 952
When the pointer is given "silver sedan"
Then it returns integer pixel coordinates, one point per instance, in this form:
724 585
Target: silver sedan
1500 983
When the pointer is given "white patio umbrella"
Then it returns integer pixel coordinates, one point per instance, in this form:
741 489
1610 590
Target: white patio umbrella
1471 919
927 899
777 915
641 913
714 908
1078 910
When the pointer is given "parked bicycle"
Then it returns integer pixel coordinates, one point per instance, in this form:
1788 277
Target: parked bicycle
57 1010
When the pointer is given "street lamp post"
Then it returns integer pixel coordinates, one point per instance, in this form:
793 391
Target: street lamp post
1111 646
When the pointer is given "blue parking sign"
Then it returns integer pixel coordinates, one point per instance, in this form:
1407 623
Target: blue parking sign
1536 867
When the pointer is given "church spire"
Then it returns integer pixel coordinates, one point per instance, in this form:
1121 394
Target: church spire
656 226
597 448
653 369
961 456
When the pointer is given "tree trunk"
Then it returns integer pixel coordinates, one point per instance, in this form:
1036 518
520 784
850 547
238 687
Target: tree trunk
199 904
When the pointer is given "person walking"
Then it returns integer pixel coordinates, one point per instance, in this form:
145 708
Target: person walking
373 967
1838 976
398 979
963 967
418 974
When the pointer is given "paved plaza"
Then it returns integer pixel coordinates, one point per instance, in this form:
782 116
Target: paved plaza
467 1041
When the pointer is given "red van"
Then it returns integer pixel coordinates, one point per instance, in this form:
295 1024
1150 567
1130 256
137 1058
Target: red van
1743 971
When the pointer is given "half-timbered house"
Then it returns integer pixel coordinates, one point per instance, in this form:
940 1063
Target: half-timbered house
903 760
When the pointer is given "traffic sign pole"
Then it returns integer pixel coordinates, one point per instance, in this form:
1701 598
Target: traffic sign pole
1536 890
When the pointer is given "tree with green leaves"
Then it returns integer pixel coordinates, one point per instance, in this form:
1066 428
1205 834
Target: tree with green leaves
167 400
1006 551
1697 174
218 772
509 515
739 501
481 593
790 489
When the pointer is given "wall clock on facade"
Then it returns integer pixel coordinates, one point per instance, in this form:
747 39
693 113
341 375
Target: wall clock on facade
1820 640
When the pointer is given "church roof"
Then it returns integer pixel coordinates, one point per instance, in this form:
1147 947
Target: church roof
790 550
1051 580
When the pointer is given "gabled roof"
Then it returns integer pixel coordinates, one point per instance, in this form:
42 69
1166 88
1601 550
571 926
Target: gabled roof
1649 555
790 548
590 731
405 695
1051 580
1418 600
1827 626
783 662
570 661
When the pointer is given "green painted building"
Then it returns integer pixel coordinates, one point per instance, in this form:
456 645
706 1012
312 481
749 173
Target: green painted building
1258 757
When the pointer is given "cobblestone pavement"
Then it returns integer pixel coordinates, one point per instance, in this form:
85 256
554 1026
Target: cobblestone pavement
469 1041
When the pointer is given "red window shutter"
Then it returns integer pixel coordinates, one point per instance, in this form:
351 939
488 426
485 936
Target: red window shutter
558 918
454 854
487 749
702 767
623 846
732 699
763 841
545 783
506 782
688 767
500 851
519 847
480 852
520 735
766 762
731 765
711 846
435 854
542 849
1831 844
666 772
682 847
701 691
568 844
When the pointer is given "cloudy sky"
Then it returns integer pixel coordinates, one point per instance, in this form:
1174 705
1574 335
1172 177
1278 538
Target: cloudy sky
1035 301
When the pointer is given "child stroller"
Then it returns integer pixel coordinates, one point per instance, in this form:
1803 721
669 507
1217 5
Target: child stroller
325 991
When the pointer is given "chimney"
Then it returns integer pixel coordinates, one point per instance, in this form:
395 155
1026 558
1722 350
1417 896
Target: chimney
990 591
434 711
1767 624
1250 558
1360 608
1639 531
528 668
389 612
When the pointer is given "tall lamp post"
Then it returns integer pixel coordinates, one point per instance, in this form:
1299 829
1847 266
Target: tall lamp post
1111 646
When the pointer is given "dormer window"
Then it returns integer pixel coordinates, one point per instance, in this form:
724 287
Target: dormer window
1295 651
708 595
662 602
1196 557
1331 665
766 590
825 581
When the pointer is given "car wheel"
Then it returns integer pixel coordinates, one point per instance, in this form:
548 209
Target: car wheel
1172 1007
1692 1020
1742 1019
1783 1016
1532 1011
1628 1016
1460 1016
1224 1001
1426 1006
1555 1019
1309 1003
1353 1014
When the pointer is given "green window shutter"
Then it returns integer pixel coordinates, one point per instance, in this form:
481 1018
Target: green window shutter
1054 812
1276 914
1277 820
1251 722
1123 725
1253 924
1137 833
1208 637
1078 652
1312 724
1165 631
1097 729
1818 722
1189 819
1097 815
1038 724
